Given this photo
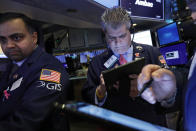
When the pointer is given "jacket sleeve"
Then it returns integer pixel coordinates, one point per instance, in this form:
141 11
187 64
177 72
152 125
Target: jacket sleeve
153 54
181 74
37 102
93 80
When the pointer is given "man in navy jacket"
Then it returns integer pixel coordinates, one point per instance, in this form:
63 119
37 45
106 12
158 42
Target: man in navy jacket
123 96
27 92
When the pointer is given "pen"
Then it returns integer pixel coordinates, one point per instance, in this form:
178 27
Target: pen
145 86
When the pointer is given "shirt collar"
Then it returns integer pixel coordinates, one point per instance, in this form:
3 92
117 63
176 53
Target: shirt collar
19 63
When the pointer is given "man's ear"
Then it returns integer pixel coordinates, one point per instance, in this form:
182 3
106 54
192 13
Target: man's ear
35 37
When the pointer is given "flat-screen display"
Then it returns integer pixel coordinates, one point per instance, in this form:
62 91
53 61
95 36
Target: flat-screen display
84 55
168 34
83 58
151 9
2 55
108 3
143 37
61 58
65 65
175 54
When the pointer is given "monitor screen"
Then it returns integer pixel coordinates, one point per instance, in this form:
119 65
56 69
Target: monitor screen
143 37
83 58
2 55
73 55
168 34
108 3
98 52
61 58
65 65
148 9
175 54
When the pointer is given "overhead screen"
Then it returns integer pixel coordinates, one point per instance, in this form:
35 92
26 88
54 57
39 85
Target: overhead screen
168 34
108 3
151 9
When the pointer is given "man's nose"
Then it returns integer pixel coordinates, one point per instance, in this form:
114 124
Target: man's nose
117 40
10 44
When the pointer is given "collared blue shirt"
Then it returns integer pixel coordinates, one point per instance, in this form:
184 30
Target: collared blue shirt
19 63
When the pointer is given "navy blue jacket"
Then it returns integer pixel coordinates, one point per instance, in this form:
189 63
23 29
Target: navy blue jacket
27 98
137 108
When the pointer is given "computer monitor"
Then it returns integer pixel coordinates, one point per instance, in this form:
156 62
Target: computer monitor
175 54
73 55
168 34
65 65
61 58
143 37
100 51
2 55
143 9
83 58
108 3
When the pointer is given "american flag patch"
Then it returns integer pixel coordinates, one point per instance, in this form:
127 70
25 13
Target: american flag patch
50 75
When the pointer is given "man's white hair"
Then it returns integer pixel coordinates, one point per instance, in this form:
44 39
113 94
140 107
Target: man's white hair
115 17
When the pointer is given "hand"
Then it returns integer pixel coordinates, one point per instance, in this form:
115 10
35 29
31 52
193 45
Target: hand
101 89
133 86
162 87
116 85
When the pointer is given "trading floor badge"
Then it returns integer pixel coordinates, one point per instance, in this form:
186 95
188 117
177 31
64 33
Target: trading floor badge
110 62
16 84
